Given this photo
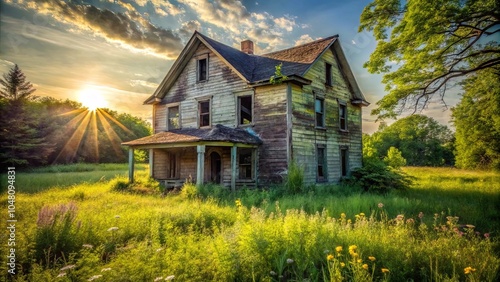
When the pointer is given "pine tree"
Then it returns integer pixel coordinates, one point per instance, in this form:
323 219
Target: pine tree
14 85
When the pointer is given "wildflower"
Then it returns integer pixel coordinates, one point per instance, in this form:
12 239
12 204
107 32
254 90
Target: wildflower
114 228
371 258
342 264
365 266
68 267
469 270
62 274
362 214
400 217
470 226
171 277
329 257
359 261
420 215
349 221
272 273
486 235
380 205
117 216
238 203
158 279
159 250
88 246
353 248
94 277
106 269
342 215
410 221
289 261
385 270
338 249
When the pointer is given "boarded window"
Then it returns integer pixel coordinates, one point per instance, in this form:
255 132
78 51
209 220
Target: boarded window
245 110
204 113
202 69
319 108
321 163
173 120
328 74
343 117
245 164
344 161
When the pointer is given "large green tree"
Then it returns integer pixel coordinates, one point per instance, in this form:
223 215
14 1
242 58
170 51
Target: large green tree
14 85
425 46
421 140
477 122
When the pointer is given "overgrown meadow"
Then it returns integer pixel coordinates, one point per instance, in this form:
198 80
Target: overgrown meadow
445 228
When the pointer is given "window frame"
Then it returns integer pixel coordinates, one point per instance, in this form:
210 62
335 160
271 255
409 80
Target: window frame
323 164
344 161
198 70
200 101
323 120
328 74
169 106
251 164
343 119
238 109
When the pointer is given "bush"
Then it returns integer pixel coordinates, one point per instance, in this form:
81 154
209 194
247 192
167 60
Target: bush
189 190
394 158
375 176
295 179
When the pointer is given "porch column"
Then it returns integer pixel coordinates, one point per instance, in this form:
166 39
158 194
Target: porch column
131 165
200 169
233 167
151 161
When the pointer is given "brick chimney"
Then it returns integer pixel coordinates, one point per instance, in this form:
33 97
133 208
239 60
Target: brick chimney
247 46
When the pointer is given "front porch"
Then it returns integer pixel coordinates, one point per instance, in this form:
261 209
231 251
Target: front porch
220 155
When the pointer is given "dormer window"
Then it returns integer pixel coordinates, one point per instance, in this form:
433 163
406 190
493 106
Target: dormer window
202 69
328 74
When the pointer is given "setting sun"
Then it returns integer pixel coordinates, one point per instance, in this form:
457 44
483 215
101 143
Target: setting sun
91 98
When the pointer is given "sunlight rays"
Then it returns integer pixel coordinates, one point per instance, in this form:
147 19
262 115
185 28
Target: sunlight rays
83 131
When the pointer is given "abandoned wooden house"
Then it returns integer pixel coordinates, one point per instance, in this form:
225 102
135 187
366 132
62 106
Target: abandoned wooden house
218 118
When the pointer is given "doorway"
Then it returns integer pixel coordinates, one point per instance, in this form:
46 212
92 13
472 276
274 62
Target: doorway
215 168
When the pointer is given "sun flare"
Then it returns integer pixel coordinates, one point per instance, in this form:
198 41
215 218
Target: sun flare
91 97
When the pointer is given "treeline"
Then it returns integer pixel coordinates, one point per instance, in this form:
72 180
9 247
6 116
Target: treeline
419 140
37 131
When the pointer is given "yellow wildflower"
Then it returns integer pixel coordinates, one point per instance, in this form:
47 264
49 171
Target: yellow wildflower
365 266
385 270
359 260
469 270
362 214
329 257
338 249
342 264
371 258
353 248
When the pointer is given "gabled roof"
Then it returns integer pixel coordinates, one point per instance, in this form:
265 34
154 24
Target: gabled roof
218 133
255 69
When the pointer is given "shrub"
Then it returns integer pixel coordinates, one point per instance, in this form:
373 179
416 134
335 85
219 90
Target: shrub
294 179
189 190
394 158
375 176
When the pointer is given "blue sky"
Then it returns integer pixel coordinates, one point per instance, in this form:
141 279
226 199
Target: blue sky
120 50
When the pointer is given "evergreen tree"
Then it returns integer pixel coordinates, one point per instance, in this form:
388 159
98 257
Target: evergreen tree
14 85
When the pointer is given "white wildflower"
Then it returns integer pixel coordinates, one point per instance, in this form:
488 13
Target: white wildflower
106 269
171 277
114 228
67 267
94 277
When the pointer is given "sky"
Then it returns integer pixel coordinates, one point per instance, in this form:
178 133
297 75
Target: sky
116 52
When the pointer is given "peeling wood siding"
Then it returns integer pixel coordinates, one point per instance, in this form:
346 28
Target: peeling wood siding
270 125
221 84
304 134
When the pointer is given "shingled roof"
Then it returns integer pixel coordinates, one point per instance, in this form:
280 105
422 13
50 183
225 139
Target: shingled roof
256 69
191 135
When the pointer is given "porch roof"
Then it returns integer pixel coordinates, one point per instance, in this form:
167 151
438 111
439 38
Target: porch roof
218 133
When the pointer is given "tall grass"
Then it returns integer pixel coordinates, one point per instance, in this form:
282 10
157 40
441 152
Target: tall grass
261 235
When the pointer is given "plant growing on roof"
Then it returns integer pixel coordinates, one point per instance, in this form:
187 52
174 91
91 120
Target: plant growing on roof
278 77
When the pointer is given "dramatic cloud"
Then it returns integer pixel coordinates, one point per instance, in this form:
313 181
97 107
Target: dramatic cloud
303 39
128 29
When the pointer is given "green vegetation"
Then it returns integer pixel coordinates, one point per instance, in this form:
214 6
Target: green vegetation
327 233
424 47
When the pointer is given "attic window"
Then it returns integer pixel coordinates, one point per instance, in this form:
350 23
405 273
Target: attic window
202 69
328 74
173 120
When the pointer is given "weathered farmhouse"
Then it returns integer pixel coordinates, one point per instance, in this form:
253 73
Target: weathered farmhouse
218 118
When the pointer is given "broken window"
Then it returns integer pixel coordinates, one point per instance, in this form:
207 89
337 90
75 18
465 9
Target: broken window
245 106
173 120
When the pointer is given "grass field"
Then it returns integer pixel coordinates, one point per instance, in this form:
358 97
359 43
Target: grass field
445 228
